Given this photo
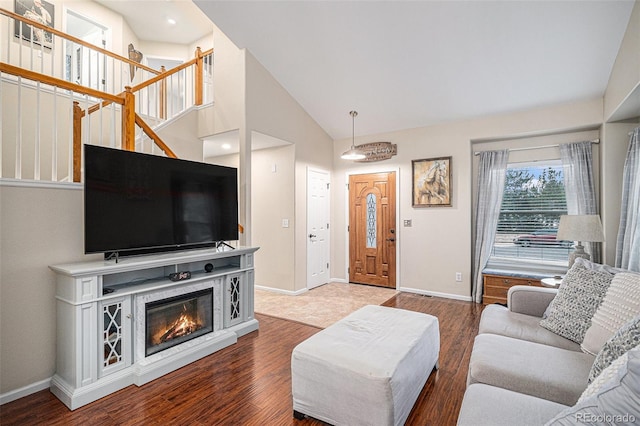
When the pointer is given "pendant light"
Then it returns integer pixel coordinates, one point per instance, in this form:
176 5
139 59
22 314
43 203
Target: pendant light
353 153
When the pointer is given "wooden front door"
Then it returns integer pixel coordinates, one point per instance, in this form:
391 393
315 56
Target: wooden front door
372 234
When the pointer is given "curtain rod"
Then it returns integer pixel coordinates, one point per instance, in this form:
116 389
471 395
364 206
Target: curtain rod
596 141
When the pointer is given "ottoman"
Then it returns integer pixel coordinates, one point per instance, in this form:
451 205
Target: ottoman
366 369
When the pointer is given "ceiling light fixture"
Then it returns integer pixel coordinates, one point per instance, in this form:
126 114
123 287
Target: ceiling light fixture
353 153
171 21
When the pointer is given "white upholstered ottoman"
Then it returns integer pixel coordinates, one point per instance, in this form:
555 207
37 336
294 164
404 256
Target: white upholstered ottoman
366 369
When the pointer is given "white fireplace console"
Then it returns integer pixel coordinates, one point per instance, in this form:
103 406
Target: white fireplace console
101 320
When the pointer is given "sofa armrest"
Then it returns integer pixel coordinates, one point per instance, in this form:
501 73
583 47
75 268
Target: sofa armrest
528 300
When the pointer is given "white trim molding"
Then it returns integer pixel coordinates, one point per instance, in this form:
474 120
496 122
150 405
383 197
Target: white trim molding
24 391
436 294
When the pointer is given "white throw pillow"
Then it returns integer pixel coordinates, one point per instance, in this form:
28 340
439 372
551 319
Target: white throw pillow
620 304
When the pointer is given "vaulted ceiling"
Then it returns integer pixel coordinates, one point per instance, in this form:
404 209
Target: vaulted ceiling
406 64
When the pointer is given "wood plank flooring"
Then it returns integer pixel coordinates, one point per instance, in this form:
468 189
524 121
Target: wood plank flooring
249 383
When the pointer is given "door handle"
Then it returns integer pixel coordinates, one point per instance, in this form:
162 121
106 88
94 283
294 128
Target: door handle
391 239
312 235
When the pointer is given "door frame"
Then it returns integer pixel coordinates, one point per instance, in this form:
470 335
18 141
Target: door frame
364 171
328 245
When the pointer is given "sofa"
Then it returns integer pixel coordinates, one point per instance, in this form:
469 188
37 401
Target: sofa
559 356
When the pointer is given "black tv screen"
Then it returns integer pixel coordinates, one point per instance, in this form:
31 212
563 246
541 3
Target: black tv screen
139 203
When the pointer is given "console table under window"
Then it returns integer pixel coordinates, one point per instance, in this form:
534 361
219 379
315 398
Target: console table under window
497 283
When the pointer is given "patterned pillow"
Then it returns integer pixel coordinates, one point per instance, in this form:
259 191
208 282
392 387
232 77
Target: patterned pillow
620 304
614 399
580 294
626 338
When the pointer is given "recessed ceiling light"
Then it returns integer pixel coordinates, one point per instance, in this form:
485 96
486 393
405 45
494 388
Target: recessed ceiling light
171 21
226 146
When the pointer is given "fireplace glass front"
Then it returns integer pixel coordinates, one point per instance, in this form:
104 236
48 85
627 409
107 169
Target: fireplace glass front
176 320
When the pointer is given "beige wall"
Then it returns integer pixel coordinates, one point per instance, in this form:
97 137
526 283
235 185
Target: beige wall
272 111
272 178
613 150
41 226
439 242
44 226
624 81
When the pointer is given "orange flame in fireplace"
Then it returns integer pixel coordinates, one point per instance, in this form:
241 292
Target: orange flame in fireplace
184 325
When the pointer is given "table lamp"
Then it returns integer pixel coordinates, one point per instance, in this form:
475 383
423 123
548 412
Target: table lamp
580 228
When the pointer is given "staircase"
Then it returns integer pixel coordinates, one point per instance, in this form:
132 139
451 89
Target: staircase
114 101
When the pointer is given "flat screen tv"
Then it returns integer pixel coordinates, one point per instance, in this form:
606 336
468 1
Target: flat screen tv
139 203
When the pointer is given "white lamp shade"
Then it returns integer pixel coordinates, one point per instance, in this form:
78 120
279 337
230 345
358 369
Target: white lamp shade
353 154
580 228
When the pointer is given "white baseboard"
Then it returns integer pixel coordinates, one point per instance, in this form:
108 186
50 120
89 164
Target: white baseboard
280 291
436 294
339 280
24 391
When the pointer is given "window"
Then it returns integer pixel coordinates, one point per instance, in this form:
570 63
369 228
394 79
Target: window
533 201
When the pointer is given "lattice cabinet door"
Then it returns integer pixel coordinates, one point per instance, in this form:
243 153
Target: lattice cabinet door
115 335
234 306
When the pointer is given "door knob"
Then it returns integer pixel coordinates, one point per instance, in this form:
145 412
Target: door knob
312 235
391 239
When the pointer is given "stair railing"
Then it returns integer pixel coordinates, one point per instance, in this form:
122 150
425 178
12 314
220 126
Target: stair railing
168 91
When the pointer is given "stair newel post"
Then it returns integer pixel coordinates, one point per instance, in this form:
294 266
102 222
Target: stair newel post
198 77
163 95
77 141
129 120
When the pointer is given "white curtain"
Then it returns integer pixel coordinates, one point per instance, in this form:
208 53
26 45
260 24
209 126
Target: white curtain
628 245
491 177
577 162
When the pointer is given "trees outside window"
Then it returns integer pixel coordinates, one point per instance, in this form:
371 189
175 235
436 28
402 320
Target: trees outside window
533 201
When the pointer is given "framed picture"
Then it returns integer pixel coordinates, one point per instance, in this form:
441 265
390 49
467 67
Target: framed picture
37 10
431 182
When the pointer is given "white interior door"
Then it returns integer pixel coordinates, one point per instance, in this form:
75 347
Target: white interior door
317 228
82 65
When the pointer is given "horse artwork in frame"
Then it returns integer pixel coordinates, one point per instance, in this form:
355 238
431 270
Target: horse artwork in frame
431 182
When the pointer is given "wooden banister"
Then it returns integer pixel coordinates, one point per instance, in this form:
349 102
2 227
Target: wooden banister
129 117
77 141
75 40
162 99
128 120
198 77
159 77
154 136
53 81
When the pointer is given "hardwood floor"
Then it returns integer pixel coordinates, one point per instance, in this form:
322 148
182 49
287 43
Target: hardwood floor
249 383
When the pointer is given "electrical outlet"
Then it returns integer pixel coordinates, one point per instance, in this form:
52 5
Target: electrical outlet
407 223
459 276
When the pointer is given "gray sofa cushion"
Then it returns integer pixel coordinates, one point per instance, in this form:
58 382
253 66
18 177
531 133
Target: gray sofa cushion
497 319
491 406
578 298
531 368
615 401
